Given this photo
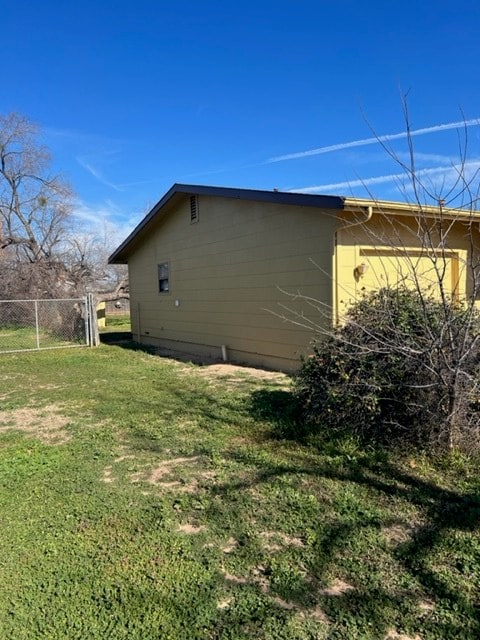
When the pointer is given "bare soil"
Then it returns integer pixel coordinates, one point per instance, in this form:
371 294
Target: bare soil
45 423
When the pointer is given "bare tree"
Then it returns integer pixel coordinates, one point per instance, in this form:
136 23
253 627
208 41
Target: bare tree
86 256
433 254
34 206
42 252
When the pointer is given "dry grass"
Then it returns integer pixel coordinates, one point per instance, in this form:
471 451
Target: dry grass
47 424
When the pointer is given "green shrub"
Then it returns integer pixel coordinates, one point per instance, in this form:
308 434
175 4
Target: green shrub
401 370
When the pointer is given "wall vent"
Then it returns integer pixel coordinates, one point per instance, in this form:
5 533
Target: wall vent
193 209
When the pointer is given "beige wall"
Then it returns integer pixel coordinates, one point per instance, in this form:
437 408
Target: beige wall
225 275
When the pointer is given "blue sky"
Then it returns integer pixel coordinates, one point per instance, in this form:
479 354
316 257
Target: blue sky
134 96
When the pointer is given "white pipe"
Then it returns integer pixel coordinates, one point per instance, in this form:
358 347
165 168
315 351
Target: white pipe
369 212
224 353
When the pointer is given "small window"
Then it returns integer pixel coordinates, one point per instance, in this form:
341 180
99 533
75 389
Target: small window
193 209
163 285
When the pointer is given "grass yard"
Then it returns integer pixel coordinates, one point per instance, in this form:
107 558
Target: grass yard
144 498
14 338
117 323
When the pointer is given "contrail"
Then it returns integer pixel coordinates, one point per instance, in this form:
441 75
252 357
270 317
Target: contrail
365 141
388 178
96 174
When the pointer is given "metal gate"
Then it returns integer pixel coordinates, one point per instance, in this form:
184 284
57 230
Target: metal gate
31 325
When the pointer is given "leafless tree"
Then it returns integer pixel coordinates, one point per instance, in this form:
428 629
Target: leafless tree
42 252
34 206
441 354
86 255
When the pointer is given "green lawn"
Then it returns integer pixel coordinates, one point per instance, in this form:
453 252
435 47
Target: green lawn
117 323
143 498
18 338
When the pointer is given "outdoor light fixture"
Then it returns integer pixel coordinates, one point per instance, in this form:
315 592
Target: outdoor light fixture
360 270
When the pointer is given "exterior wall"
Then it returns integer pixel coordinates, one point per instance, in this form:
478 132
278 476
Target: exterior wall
392 249
225 272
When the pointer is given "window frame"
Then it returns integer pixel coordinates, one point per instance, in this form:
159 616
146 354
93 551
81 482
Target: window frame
165 279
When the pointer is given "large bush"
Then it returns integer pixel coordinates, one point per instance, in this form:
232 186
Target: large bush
402 369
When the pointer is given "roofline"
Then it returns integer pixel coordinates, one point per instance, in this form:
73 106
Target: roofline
387 207
349 205
257 195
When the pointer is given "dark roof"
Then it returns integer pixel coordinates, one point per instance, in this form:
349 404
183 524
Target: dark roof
119 256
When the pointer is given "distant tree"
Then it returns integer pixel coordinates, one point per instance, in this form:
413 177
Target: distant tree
34 206
42 253
86 256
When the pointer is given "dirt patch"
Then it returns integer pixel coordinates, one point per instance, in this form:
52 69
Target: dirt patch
124 457
337 588
224 604
397 533
190 529
235 579
394 635
230 545
168 466
45 423
275 540
161 475
317 614
284 604
426 606
212 368
48 387
175 484
232 371
107 475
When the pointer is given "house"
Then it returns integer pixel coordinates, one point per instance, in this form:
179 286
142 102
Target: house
244 274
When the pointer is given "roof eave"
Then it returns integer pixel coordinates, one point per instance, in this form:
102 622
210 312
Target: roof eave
120 255
387 207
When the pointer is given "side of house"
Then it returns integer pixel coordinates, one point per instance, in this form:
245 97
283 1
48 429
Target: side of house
212 270
211 273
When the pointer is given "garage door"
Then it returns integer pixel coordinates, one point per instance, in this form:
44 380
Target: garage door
412 268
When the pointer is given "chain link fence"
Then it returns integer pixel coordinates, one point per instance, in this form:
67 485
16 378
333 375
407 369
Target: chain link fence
28 325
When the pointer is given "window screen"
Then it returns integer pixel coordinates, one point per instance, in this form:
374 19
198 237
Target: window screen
163 284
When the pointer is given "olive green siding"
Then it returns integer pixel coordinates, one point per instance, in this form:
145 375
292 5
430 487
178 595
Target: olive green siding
225 276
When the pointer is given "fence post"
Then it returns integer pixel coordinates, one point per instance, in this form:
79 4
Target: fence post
92 321
87 322
37 327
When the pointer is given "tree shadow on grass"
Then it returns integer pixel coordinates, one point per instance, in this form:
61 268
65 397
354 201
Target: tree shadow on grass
124 340
280 408
119 338
435 572
371 607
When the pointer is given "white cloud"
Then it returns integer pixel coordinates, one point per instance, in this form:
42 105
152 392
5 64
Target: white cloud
375 140
105 220
428 158
436 175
